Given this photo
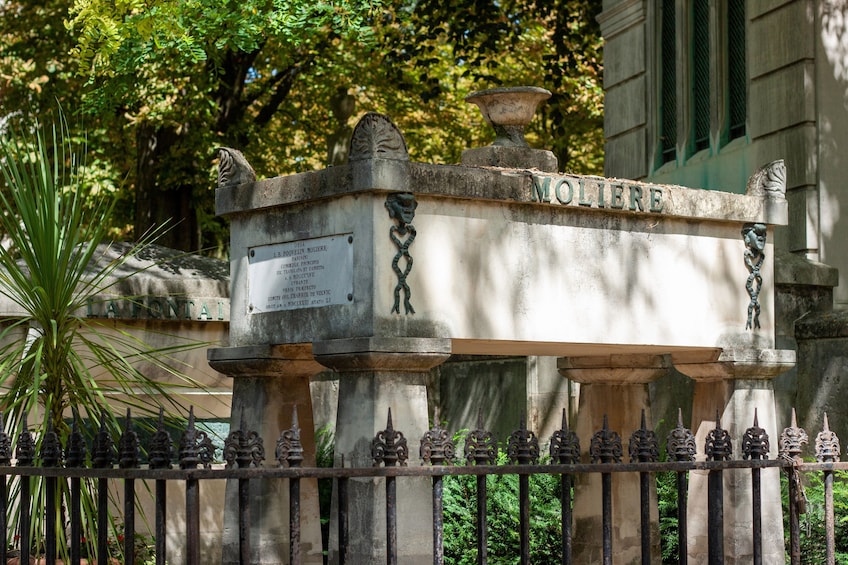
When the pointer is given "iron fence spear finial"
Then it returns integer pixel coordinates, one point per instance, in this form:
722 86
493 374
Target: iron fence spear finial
289 450
5 444
827 444
755 442
565 445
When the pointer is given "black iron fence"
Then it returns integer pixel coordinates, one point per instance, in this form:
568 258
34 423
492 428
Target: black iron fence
244 456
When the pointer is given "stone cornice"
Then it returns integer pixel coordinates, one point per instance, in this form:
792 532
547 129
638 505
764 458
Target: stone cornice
571 193
622 16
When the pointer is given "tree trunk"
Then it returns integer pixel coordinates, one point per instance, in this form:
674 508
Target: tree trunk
156 203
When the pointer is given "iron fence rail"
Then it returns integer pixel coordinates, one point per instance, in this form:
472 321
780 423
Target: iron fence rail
244 454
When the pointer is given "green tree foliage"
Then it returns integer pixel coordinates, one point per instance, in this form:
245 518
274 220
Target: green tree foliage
162 83
502 511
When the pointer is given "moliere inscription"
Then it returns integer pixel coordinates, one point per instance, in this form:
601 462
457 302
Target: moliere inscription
597 192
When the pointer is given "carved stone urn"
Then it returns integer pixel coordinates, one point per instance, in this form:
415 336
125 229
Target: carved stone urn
509 110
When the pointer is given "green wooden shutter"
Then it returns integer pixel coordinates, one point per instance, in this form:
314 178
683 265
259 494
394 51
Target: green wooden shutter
737 97
700 74
668 83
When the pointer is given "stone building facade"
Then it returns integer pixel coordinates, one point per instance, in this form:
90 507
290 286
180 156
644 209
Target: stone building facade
701 93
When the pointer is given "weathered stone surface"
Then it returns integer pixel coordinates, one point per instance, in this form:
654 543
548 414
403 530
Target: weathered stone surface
786 89
770 50
629 98
822 365
627 155
626 53
510 158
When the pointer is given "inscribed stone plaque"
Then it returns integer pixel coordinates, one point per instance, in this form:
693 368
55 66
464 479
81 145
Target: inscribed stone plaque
307 273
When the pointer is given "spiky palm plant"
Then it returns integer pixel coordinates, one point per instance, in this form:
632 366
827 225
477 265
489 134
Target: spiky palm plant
54 360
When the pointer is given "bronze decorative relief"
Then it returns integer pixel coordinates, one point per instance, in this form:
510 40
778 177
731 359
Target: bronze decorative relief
754 236
401 207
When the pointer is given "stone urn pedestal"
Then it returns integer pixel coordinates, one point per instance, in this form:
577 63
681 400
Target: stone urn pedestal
509 111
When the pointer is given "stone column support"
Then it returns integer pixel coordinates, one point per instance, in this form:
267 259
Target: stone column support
269 381
733 385
615 387
375 375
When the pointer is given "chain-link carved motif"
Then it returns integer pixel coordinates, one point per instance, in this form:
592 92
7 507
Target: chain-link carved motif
401 207
754 236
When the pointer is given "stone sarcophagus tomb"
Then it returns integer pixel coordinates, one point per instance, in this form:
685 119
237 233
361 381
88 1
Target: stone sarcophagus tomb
382 268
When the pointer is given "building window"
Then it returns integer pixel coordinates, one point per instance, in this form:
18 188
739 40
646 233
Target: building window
700 74
737 97
668 86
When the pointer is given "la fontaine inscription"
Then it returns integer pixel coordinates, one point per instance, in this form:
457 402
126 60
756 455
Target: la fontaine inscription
307 273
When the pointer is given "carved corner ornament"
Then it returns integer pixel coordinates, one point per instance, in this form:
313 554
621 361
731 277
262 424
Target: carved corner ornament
769 181
401 207
233 168
754 236
376 137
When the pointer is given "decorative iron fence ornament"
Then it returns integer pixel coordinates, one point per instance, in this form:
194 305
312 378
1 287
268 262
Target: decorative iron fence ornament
718 445
196 448
401 207
25 447
565 445
754 236
75 450
792 441
5 444
605 446
481 448
755 442
389 446
129 452
827 444
289 451
644 446
51 448
680 442
160 449
523 446
103 448
243 448
437 448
